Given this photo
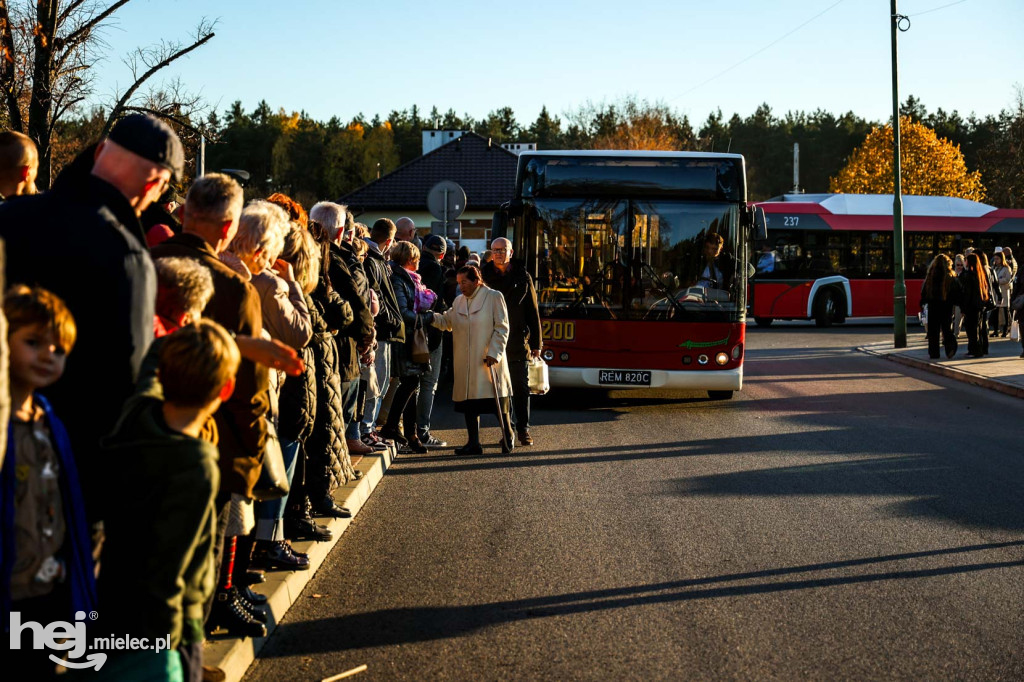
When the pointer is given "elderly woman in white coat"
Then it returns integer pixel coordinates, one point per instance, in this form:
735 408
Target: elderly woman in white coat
478 320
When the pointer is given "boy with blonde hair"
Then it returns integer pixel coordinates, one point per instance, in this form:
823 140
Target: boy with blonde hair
158 562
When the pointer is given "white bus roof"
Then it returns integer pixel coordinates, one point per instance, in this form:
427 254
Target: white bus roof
881 204
634 153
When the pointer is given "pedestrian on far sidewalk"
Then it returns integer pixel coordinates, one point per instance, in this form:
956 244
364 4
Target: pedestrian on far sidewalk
974 303
941 292
524 341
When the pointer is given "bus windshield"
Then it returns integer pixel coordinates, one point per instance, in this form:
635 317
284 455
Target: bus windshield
636 259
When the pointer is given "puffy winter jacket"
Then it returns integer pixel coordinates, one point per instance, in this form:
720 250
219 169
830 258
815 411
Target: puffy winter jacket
297 410
327 460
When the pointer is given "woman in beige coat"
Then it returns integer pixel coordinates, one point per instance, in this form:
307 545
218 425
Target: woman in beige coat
478 321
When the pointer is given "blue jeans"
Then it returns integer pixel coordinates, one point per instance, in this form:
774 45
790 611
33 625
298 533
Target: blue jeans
428 386
270 513
382 366
349 400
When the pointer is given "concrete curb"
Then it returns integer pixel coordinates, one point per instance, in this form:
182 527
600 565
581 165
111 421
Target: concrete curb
282 588
945 370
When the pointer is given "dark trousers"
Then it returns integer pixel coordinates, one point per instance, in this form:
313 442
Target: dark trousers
191 661
972 325
940 322
518 372
222 503
406 389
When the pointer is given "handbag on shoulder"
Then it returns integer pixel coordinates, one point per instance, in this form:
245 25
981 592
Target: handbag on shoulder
420 350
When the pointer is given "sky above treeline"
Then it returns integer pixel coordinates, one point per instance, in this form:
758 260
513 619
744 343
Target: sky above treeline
340 58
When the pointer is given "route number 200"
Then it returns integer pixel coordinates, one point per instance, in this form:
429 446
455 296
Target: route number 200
556 330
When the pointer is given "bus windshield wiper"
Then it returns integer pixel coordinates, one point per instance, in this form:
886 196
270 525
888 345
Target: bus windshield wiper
662 287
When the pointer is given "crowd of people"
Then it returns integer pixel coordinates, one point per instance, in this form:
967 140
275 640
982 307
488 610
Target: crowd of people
192 378
972 293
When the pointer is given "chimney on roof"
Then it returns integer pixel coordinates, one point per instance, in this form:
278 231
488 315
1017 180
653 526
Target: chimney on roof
488 144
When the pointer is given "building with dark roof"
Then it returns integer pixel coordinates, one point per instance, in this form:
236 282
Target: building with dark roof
484 170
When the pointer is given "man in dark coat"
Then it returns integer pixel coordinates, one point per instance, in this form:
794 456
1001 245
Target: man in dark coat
389 324
82 240
524 339
212 208
432 274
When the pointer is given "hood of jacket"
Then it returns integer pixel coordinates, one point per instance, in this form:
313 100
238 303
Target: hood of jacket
143 434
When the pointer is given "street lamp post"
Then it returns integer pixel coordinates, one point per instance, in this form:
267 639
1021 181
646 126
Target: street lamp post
899 309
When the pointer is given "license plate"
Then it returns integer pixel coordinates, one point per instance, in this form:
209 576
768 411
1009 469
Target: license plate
624 377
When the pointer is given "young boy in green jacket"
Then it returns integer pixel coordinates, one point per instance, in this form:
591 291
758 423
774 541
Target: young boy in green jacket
158 563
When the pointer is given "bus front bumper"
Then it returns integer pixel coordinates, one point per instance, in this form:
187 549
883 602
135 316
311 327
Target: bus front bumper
697 380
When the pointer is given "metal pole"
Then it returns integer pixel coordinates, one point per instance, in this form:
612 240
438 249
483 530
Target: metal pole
899 292
202 155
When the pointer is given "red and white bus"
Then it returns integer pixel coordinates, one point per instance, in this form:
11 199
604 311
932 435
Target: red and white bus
829 256
614 242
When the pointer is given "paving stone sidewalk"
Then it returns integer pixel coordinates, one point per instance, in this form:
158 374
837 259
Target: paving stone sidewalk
1001 370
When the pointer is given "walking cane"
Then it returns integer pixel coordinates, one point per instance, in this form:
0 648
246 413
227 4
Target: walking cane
501 413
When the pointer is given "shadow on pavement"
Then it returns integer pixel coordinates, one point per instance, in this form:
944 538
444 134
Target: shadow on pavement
419 624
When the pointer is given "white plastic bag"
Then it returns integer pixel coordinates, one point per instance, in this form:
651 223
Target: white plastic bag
538 377
1015 331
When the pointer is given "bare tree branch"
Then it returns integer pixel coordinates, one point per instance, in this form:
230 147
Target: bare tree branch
7 68
82 33
163 114
201 40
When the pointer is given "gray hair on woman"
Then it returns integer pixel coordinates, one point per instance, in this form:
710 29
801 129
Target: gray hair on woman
260 238
331 216
302 251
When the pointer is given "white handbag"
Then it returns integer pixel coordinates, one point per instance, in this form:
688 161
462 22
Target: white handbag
1015 331
538 377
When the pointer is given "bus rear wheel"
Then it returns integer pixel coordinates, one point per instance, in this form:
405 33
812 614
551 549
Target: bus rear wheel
764 321
720 395
826 308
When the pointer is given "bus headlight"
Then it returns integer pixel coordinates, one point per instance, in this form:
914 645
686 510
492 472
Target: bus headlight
702 359
722 358
549 355
737 351
564 357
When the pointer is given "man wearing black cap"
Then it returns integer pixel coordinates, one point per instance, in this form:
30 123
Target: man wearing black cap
82 240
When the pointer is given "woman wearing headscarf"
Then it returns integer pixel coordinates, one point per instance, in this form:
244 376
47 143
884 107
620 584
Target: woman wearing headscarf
478 321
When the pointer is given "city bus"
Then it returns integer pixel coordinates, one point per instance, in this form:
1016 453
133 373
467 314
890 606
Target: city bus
830 258
615 242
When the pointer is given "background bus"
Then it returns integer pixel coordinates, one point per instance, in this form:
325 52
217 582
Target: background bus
833 252
613 241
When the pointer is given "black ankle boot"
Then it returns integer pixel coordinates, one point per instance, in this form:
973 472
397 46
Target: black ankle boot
228 613
252 609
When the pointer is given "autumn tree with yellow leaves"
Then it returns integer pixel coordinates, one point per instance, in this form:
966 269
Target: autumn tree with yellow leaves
930 165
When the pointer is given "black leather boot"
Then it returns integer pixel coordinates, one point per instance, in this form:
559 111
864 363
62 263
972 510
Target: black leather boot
228 613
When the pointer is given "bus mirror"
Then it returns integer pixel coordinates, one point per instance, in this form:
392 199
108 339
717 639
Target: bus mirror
499 223
760 225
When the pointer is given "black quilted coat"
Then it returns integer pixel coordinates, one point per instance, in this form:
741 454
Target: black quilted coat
328 464
297 408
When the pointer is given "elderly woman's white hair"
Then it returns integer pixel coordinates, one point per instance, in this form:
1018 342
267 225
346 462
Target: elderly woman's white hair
261 228
330 216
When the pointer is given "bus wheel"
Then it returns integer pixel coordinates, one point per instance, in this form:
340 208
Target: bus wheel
720 395
764 321
826 308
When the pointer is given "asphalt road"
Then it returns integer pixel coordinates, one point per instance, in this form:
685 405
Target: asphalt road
842 518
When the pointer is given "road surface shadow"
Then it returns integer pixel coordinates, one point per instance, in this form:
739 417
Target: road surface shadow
419 624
